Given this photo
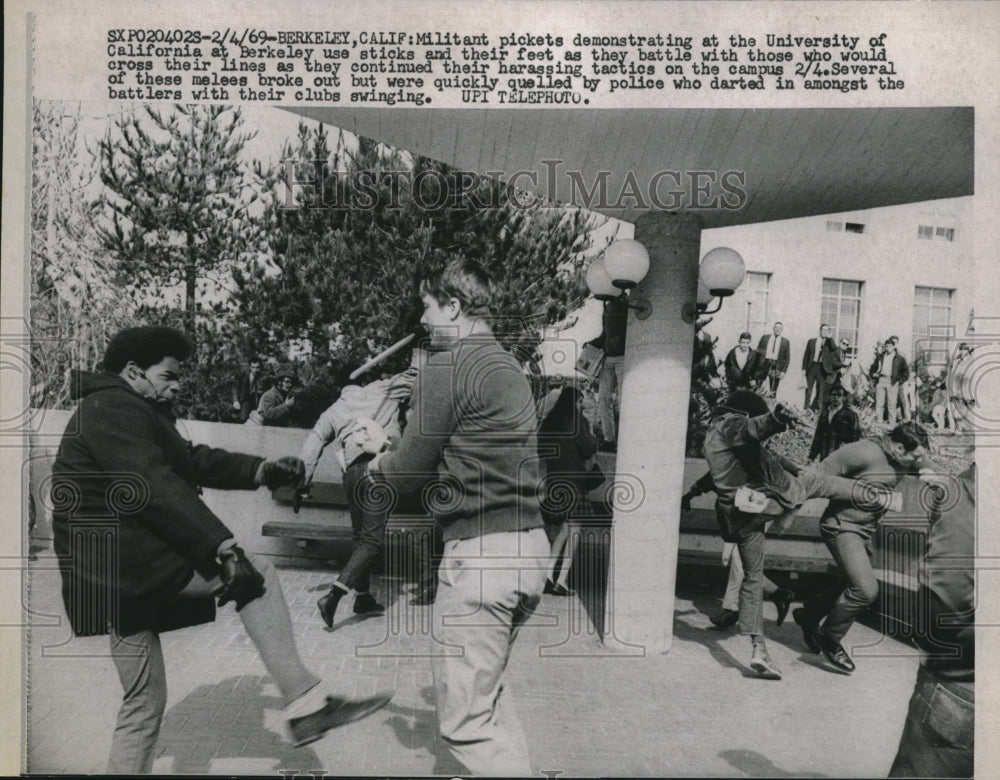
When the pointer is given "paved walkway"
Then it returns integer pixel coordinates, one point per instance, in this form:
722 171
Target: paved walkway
587 710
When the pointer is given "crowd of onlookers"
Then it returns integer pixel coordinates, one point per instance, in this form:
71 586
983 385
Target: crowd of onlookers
836 379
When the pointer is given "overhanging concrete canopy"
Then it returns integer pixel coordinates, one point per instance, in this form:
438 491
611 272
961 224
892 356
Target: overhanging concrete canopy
796 162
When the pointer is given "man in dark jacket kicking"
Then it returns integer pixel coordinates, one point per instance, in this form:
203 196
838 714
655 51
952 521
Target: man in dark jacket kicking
142 554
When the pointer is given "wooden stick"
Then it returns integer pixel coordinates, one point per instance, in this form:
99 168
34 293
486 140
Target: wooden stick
381 356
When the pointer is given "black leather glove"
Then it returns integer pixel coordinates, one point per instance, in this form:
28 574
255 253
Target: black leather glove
274 474
686 502
241 582
785 416
301 492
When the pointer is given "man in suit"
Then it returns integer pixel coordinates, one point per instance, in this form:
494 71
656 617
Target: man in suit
247 390
775 355
742 365
812 365
888 372
833 360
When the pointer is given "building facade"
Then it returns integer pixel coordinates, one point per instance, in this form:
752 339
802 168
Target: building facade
905 271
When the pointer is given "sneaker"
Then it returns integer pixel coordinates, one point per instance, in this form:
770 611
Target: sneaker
762 664
335 711
365 603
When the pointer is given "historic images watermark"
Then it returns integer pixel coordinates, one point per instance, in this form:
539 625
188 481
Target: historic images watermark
313 184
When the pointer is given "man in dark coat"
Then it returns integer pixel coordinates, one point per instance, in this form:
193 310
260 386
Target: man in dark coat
247 390
742 365
833 360
837 424
142 554
812 365
775 355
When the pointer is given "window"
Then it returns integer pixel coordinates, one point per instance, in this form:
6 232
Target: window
752 302
854 227
835 225
932 323
841 309
940 232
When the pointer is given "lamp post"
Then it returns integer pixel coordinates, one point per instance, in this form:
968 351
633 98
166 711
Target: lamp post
620 269
625 263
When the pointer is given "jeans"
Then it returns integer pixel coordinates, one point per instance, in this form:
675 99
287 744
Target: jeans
750 545
610 380
367 532
843 602
731 598
939 736
488 586
138 658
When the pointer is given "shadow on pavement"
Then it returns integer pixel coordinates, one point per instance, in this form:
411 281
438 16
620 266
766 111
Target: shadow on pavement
754 764
708 636
416 729
226 720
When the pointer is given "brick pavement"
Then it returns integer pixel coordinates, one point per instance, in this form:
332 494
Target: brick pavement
586 710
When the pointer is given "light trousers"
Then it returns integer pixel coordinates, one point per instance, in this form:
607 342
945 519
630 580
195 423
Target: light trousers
488 586
138 658
609 387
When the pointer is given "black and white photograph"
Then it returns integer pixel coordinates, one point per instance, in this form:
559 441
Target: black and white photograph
535 390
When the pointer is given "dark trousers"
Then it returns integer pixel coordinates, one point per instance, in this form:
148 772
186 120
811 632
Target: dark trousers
814 379
938 738
428 554
844 601
770 369
368 521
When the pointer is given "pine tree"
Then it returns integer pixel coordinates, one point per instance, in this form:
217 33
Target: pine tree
346 259
73 306
175 209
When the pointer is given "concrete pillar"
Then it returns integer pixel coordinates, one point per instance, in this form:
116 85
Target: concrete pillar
650 466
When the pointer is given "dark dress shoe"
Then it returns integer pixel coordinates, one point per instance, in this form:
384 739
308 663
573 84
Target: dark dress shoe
725 619
328 604
834 652
336 712
562 590
782 598
808 628
365 604
549 585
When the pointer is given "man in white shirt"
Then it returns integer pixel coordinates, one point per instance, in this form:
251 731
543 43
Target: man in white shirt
888 372
776 354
